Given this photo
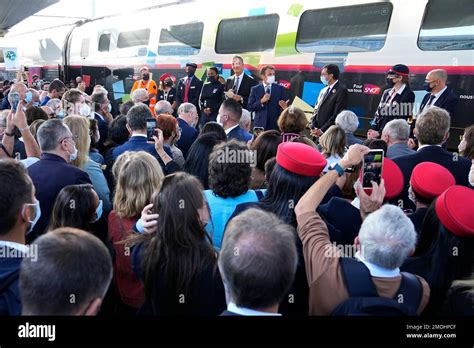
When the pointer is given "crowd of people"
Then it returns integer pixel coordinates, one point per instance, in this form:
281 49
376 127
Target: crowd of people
236 204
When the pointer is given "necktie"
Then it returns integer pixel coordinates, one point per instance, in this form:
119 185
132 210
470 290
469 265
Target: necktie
186 91
236 85
267 90
432 97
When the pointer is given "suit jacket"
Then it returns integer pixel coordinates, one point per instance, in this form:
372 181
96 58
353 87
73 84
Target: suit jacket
140 143
245 87
103 130
447 101
212 96
399 149
227 313
237 133
188 135
400 107
330 107
193 93
50 175
266 115
351 139
459 169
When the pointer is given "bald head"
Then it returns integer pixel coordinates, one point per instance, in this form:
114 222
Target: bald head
163 107
437 80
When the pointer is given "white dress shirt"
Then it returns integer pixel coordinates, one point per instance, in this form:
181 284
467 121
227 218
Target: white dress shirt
232 307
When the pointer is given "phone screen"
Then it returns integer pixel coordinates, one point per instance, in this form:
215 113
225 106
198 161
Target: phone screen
150 128
15 100
372 168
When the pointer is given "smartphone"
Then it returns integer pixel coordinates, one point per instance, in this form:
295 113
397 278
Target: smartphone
257 131
372 168
150 128
15 99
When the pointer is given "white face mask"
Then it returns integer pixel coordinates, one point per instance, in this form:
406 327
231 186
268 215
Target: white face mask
218 120
85 110
73 155
411 195
270 79
37 216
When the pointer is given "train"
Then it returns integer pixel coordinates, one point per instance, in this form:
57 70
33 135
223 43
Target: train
364 38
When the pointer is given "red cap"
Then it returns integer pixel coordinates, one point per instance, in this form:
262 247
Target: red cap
429 179
165 76
300 159
455 209
392 177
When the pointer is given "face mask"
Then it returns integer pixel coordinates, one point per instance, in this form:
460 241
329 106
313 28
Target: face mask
270 79
211 79
37 216
28 96
218 120
73 156
98 212
109 108
60 114
324 80
190 73
85 110
146 77
36 104
390 82
169 83
411 195
426 86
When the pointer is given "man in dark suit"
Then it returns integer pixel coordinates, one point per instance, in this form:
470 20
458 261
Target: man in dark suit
259 277
432 130
53 172
438 94
19 210
229 116
136 125
189 87
267 99
101 106
238 86
331 101
187 120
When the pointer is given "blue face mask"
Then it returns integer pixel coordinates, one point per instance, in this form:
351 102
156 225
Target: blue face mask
98 212
28 96
60 114
37 216
36 104
109 108
324 80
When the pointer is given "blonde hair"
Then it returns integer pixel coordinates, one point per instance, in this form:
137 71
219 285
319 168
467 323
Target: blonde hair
292 120
80 129
333 141
138 175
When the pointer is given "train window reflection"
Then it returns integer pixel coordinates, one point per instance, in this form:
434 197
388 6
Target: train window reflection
441 32
357 28
181 40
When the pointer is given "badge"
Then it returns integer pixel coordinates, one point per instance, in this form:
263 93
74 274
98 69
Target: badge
333 91
214 91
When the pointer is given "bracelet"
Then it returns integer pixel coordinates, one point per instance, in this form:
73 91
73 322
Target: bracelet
9 134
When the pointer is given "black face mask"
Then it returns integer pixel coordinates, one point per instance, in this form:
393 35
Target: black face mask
169 83
146 77
390 82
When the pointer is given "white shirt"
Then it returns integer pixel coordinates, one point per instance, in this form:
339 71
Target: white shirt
20 247
228 130
377 271
422 146
436 96
323 92
232 307
400 91
139 135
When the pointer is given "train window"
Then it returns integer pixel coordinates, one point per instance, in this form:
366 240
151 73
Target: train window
247 34
133 38
85 48
104 43
181 40
356 28
441 32
1 56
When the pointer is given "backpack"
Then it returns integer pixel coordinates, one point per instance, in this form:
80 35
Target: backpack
365 301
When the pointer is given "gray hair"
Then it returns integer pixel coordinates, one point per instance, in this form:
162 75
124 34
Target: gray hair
139 95
387 237
137 116
348 121
163 107
54 103
70 262
185 108
398 130
246 118
258 259
50 134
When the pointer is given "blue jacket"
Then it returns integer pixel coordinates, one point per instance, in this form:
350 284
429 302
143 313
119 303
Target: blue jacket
266 115
50 175
237 133
100 183
103 129
188 135
10 296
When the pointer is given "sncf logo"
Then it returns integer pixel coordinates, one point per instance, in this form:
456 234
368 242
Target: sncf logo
284 83
371 89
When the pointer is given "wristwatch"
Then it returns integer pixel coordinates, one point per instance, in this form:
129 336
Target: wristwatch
335 166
